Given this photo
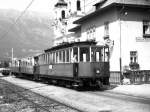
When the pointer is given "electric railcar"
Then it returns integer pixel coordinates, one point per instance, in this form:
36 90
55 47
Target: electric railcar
74 64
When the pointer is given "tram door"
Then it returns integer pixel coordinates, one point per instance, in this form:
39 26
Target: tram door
36 68
75 70
19 68
75 62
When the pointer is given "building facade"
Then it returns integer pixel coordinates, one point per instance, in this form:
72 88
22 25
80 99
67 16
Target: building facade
124 25
66 11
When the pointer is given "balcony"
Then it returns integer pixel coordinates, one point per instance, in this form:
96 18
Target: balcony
106 37
134 66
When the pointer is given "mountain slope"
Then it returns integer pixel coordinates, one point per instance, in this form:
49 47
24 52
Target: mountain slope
30 35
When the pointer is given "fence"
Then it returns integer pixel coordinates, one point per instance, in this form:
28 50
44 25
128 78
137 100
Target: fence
136 77
114 77
140 76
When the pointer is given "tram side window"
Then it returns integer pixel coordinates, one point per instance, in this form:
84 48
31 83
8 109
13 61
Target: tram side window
67 55
47 58
57 57
63 56
53 57
43 59
84 54
75 54
40 59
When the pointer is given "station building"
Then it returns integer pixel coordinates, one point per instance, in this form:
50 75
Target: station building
123 25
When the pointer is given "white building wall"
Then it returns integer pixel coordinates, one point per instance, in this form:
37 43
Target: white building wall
115 52
114 30
130 31
131 28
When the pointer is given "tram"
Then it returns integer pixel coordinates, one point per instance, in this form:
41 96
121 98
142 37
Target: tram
74 64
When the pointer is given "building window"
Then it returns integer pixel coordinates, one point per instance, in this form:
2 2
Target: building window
63 14
91 33
78 5
146 29
134 60
106 30
133 56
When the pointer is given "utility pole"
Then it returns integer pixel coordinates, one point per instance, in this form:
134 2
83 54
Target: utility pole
84 6
12 55
120 59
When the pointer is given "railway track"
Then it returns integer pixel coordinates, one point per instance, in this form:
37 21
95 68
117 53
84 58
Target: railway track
34 101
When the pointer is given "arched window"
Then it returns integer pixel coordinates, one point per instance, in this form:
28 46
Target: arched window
78 5
63 14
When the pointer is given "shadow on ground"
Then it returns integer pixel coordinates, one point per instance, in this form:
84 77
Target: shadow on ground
104 88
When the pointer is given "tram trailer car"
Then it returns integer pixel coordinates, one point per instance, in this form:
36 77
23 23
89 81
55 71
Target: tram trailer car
23 67
15 66
75 64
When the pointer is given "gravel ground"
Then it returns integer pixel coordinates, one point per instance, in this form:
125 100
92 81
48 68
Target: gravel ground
84 101
17 99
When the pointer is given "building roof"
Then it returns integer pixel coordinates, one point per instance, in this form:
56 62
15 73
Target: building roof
78 27
131 2
105 4
60 3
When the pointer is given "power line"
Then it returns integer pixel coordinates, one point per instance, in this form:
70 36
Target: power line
15 22
87 4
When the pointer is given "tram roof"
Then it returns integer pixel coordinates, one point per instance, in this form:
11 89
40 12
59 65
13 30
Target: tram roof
66 45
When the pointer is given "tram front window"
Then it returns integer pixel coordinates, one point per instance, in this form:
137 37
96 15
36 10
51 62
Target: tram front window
84 54
96 54
106 54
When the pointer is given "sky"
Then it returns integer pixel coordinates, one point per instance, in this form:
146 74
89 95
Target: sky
42 6
45 6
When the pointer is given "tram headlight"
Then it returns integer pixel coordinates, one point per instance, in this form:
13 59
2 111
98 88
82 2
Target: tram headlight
97 71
